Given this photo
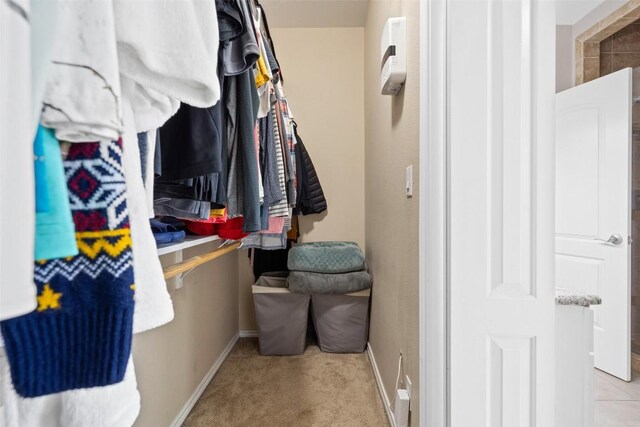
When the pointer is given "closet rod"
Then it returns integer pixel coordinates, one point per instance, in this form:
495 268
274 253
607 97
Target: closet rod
196 261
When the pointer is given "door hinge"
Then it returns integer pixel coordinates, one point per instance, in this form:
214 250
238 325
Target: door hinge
630 239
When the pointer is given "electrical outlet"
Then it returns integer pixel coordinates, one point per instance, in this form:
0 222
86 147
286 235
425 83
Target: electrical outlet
407 386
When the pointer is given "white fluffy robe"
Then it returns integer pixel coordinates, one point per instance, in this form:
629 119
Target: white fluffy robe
17 199
151 108
169 48
117 405
82 97
150 176
153 304
44 23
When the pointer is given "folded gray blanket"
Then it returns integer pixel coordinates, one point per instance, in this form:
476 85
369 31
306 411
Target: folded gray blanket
303 282
326 257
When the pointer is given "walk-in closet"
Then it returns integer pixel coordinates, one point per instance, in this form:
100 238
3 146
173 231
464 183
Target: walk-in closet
209 213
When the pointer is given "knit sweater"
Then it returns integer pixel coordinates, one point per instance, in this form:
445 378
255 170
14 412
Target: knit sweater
80 334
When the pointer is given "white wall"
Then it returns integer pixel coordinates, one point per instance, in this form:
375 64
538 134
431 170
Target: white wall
173 359
600 12
392 143
565 58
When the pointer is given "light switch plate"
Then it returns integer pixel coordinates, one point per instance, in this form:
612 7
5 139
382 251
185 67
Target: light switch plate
409 182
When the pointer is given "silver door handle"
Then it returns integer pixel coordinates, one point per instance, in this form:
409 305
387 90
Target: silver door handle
615 239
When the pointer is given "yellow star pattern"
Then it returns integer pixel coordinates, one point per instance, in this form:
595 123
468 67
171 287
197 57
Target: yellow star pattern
48 299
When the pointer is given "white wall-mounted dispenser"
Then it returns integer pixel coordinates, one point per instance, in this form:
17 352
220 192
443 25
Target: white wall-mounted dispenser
393 56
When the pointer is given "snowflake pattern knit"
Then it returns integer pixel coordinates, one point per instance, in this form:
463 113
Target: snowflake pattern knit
80 334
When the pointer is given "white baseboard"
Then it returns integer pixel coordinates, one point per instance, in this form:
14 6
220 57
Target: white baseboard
248 334
383 394
184 412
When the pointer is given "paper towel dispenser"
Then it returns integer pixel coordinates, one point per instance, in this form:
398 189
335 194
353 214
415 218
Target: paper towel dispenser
393 56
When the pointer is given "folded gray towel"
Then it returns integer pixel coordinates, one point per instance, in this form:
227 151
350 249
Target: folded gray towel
303 282
326 257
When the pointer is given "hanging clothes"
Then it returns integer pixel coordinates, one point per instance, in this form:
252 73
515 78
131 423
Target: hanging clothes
85 303
84 62
183 208
191 144
264 29
153 306
230 20
269 160
311 198
44 22
178 62
288 145
265 261
244 180
280 208
240 51
109 406
55 232
17 129
164 64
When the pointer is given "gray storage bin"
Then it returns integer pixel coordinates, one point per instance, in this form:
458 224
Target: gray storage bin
282 320
341 321
273 279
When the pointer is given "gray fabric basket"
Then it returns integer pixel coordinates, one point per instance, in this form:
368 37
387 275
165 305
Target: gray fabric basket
341 321
273 279
282 320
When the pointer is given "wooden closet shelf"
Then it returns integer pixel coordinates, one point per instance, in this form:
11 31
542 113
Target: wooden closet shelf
191 263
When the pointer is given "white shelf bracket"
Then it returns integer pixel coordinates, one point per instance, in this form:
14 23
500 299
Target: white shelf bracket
178 280
181 276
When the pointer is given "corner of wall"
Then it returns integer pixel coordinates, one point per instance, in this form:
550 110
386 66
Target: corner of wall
392 127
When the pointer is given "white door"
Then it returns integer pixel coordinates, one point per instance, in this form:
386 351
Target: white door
501 212
593 192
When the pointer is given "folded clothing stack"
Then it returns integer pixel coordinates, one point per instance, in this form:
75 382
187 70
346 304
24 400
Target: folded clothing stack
327 268
335 275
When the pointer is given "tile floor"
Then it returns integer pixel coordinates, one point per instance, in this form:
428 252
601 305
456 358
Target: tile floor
617 402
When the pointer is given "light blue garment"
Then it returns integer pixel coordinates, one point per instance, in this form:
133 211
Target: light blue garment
40 174
55 231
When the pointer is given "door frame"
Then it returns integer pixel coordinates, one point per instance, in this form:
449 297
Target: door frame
434 211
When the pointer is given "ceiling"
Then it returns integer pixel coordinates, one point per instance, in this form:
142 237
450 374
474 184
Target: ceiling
353 13
315 13
568 12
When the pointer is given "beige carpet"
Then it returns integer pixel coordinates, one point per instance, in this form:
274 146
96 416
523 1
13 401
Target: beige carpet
315 389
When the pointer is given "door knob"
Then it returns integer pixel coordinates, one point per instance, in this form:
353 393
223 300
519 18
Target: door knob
615 239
